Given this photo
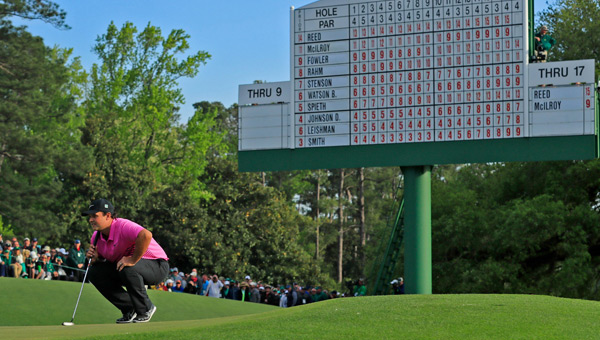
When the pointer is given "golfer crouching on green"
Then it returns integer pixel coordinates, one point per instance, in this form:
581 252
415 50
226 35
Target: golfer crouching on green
126 256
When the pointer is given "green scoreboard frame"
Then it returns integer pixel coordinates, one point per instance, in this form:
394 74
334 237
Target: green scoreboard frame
414 154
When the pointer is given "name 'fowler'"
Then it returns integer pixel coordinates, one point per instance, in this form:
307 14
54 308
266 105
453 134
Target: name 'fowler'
317 60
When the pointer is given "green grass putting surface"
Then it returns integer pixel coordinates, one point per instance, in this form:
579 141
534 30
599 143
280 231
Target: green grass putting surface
180 316
38 302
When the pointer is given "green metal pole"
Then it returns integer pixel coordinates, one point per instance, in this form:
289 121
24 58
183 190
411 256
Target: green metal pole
531 28
417 230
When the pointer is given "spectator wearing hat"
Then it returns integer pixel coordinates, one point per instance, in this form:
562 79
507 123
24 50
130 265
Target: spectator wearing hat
35 246
27 244
76 259
45 269
7 245
248 279
225 290
234 290
214 287
543 43
271 296
175 275
283 301
263 293
63 254
57 261
30 263
244 292
398 286
254 292
183 277
178 288
292 295
194 276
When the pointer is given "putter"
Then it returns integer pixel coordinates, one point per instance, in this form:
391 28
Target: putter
70 323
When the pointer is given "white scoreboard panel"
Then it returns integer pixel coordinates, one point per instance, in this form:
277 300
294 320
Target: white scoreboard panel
562 110
409 71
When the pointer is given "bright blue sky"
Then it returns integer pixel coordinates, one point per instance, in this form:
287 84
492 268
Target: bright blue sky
248 40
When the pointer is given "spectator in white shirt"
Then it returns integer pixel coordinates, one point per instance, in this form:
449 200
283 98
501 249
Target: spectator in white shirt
214 287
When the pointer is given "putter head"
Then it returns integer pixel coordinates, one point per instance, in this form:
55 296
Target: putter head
68 324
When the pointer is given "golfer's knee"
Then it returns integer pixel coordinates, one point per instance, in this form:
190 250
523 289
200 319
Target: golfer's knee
128 272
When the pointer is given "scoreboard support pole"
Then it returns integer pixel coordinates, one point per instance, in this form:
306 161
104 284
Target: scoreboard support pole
417 230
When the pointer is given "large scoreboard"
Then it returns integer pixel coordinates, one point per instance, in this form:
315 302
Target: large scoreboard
401 82
409 71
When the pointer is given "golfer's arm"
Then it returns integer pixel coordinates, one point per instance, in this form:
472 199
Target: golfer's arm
142 242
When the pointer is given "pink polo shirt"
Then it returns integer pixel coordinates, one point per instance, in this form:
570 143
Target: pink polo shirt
121 242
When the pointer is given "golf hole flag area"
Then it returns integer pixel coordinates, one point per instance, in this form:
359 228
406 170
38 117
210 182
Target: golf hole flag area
413 82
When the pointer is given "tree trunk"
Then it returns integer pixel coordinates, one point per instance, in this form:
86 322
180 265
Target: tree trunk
363 229
318 213
2 156
341 227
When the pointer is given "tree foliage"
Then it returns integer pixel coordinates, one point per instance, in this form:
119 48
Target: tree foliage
575 24
132 120
47 11
39 121
518 228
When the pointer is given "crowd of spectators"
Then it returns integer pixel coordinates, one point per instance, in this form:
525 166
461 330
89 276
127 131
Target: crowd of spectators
248 290
31 260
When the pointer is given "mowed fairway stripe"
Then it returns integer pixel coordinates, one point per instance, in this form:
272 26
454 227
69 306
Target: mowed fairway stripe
79 331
